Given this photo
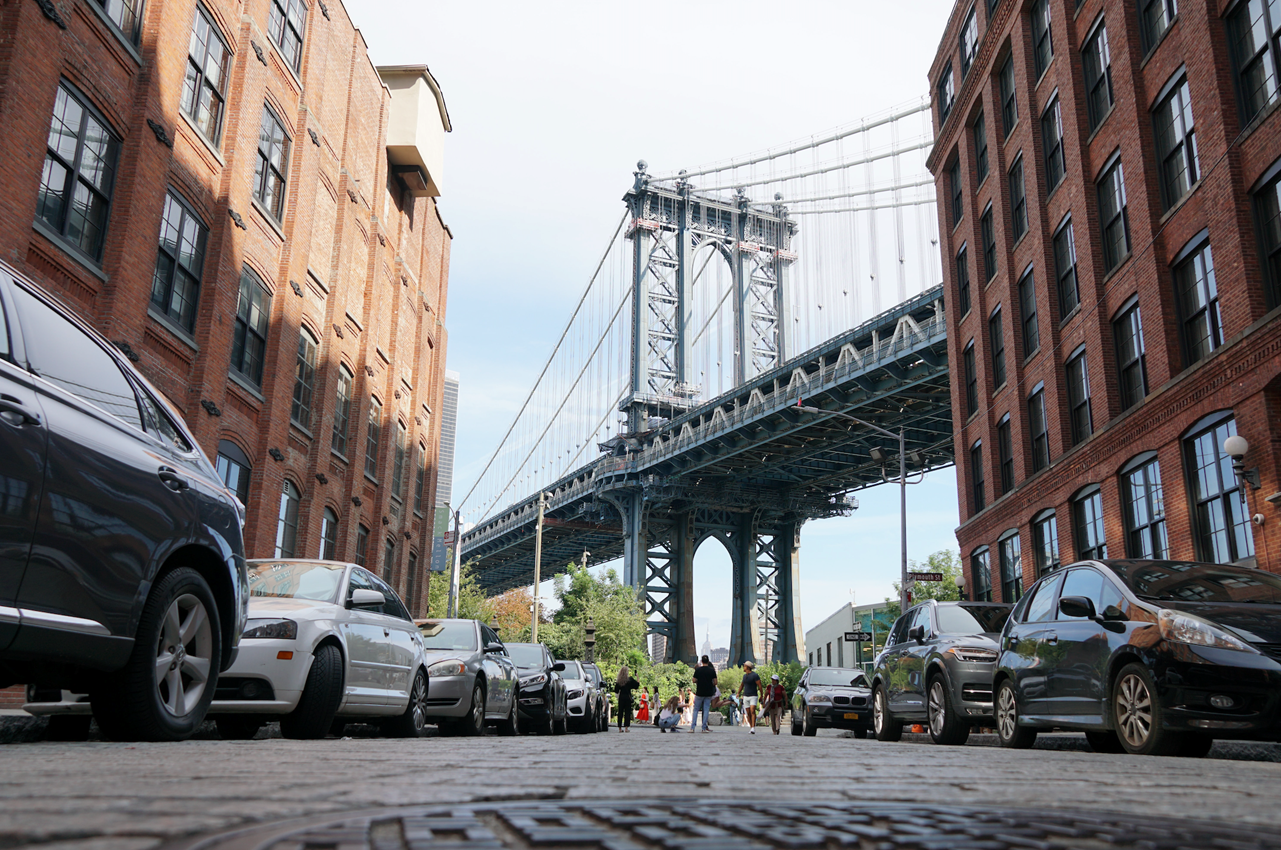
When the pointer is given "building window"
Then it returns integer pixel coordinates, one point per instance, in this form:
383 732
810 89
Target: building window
963 280
996 337
981 575
1040 429
398 461
287 24
1097 60
420 478
411 582
1065 270
980 147
1198 301
1052 138
203 91
1042 43
1144 509
1018 199
233 469
1087 515
287 525
1045 542
958 194
273 164
1155 17
976 476
1009 103
175 287
1267 205
126 15
79 174
342 411
1078 381
304 379
971 380
1127 330
1221 526
946 93
1251 27
362 544
969 42
389 557
1113 219
249 339
328 534
989 243
1011 566
372 435
1176 144
1005 443
1027 313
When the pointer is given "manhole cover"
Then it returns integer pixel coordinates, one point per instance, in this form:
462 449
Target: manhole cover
709 824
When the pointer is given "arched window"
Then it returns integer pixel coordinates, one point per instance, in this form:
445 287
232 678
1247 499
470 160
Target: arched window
328 534
1087 521
1222 528
233 469
1011 566
287 526
342 411
420 477
1144 503
304 379
1045 542
981 574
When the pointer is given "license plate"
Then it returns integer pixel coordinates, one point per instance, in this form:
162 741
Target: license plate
849 715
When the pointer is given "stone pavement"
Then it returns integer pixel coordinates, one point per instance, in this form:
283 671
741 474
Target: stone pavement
106 796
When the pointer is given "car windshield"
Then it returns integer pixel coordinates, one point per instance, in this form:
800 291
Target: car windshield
572 670
1191 582
838 678
447 635
971 619
526 654
295 580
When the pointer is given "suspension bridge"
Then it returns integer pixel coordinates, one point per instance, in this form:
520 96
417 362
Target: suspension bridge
668 412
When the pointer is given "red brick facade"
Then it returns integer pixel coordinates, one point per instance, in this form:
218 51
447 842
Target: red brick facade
1241 378
353 257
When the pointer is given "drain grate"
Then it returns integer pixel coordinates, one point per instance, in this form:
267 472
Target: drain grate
710 824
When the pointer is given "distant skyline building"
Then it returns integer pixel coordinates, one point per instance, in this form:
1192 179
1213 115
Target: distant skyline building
448 438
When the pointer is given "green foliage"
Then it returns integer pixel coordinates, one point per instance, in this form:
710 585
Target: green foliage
944 561
614 610
471 599
667 678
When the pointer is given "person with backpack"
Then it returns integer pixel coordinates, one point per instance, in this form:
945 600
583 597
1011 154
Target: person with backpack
775 701
625 686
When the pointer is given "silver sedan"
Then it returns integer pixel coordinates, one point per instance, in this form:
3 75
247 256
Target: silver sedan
471 680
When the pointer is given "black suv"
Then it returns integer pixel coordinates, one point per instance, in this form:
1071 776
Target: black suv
122 569
542 689
832 698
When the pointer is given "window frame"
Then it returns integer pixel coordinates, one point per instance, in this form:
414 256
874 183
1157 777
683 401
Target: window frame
1088 524
1206 315
1010 554
979 129
1009 96
1230 493
360 552
198 84
398 460
1266 57
1111 182
958 191
235 456
970 365
981 567
266 170
373 437
1005 445
1094 45
196 272
1149 38
1127 325
1052 144
978 491
279 27
1018 198
996 339
1267 190
1179 143
287 520
240 344
987 232
1067 233
1045 542
1149 538
1079 397
328 534
946 91
963 292
969 33
1040 439
342 410
1042 36
304 378
1027 313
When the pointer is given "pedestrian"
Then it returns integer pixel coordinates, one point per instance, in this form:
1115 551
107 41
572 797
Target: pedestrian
642 716
704 692
749 692
670 716
775 699
624 687
687 706
657 702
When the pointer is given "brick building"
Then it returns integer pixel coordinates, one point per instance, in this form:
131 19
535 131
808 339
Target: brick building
1107 175
239 200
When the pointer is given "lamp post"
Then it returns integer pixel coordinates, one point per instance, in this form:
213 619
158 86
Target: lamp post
960 585
589 639
538 566
1235 447
902 481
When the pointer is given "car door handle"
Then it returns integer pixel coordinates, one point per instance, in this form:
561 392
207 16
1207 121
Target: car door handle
386 632
1051 638
172 479
11 409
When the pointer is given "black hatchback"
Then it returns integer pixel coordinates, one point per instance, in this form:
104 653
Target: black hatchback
1147 657
122 570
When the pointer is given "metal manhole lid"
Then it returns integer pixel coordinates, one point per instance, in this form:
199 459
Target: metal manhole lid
711 824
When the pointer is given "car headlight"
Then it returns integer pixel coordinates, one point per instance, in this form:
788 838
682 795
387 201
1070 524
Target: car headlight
1183 628
816 699
972 654
574 694
534 681
266 629
450 667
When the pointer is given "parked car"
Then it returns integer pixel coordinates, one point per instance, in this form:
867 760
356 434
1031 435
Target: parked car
579 696
936 669
471 679
542 690
602 703
326 643
832 698
1149 657
122 572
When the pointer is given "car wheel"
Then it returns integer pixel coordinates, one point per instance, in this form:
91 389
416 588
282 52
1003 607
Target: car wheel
474 723
1008 731
164 690
237 727
1104 741
796 726
1195 746
321 696
1138 715
68 727
560 727
338 728
588 723
887 728
511 724
808 729
413 723
945 726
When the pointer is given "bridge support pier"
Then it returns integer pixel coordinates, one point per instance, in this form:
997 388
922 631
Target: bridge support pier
744 639
790 639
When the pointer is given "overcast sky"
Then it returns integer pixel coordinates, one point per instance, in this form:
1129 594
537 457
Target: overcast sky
553 103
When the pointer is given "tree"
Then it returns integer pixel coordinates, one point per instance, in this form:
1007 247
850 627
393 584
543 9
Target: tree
471 598
512 610
944 561
612 607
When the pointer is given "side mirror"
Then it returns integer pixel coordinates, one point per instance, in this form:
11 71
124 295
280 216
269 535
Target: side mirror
916 633
496 647
364 598
559 666
1077 606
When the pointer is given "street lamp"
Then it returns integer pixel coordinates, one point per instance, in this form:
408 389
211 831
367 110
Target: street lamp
960 585
589 639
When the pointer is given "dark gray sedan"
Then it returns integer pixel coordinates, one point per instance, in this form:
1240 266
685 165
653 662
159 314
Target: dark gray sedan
471 681
832 698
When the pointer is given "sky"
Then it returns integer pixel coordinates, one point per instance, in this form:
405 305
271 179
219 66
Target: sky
552 104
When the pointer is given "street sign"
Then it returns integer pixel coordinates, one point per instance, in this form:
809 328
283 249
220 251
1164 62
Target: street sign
449 538
855 637
924 576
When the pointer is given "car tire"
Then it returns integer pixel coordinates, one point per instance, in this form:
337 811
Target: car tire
808 729
473 725
321 697
887 728
510 725
1104 741
238 727
1008 731
179 623
560 727
860 733
588 724
1195 746
413 723
338 729
945 726
1138 715
68 727
796 727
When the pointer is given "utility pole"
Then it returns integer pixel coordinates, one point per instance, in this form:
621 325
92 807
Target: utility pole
451 609
538 565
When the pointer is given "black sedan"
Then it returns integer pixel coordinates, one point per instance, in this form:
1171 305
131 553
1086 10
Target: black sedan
832 698
542 702
1149 657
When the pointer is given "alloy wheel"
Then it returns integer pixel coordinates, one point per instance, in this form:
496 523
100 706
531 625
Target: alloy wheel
1134 710
184 655
938 709
878 711
478 711
418 702
1007 713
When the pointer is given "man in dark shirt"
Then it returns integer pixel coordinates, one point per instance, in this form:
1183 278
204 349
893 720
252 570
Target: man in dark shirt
704 691
749 690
